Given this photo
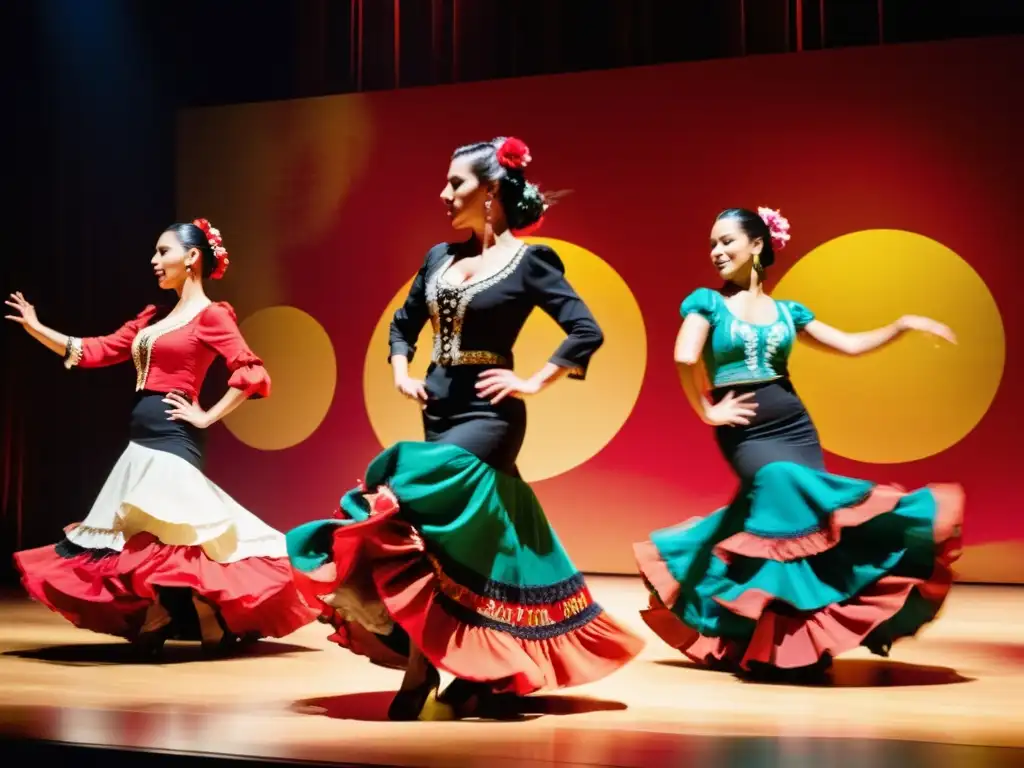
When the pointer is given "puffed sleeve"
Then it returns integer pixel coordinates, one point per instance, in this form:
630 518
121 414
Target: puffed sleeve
114 348
218 329
410 318
545 280
703 302
802 316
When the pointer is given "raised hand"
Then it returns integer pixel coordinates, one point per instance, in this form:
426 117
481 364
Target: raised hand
24 312
732 411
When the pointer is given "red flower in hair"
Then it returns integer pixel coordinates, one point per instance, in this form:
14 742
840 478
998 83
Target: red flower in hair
220 253
513 153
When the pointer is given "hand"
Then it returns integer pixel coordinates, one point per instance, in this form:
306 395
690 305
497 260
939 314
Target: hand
183 410
732 411
25 312
926 325
412 388
496 384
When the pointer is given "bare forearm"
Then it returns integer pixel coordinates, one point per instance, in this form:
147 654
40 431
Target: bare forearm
231 400
49 338
867 341
547 375
692 379
400 367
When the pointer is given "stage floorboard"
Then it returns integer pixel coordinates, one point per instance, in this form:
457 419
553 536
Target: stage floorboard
954 694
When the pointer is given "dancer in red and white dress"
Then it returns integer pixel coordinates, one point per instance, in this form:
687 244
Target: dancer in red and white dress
165 553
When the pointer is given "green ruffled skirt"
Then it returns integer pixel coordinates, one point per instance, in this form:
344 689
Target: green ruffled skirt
442 550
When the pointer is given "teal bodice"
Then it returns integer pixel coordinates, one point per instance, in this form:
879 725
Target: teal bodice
738 352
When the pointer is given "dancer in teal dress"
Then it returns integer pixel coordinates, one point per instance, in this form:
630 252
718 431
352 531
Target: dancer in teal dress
802 565
443 558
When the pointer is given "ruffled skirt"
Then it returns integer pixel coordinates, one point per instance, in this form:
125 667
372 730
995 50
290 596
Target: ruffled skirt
159 526
442 550
804 567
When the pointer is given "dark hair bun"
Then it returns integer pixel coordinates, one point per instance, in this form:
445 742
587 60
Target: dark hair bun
523 202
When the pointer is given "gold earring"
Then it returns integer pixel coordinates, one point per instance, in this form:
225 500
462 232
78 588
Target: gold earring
757 262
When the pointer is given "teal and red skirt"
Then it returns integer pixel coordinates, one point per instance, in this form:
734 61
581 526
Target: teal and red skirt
802 565
442 550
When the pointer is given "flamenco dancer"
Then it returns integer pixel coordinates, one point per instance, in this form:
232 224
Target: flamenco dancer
802 565
164 553
443 559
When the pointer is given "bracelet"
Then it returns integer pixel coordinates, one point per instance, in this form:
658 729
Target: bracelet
72 352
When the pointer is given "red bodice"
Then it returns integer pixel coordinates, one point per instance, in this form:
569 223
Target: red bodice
176 355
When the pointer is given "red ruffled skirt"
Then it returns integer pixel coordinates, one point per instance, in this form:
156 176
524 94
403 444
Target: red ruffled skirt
109 592
159 523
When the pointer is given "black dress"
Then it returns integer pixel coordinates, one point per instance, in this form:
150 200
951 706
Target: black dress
475 326
461 556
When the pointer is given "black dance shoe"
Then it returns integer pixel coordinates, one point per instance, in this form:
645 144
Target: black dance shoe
150 645
420 702
469 697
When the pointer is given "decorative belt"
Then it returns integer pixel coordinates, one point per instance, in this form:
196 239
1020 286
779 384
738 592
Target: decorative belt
470 357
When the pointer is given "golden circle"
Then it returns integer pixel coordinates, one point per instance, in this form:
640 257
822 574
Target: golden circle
570 421
919 395
298 353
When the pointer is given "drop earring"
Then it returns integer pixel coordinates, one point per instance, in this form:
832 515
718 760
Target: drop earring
488 228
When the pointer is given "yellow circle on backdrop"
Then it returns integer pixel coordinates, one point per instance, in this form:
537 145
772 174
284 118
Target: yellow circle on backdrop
570 421
919 395
298 353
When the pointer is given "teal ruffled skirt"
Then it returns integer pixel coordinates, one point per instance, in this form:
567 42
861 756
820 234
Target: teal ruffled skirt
802 566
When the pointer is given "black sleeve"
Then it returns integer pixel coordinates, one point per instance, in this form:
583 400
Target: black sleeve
545 278
410 318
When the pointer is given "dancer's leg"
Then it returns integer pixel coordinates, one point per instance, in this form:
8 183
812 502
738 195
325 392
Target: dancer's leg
156 628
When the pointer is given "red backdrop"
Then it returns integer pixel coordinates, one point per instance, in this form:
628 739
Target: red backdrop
329 205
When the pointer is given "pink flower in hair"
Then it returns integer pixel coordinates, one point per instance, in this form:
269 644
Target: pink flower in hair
778 226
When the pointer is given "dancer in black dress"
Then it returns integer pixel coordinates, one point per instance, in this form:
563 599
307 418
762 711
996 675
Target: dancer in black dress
444 558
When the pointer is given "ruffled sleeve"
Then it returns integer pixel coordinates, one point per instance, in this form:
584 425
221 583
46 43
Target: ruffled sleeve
218 329
545 280
114 348
703 302
410 318
802 316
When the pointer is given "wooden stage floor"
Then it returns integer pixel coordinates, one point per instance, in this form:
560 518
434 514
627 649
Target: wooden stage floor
954 694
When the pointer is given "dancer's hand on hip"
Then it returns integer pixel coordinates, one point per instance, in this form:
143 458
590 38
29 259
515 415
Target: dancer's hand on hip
184 410
412 388
732 411
495 384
